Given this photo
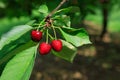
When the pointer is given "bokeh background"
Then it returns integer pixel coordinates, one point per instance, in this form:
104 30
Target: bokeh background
97 61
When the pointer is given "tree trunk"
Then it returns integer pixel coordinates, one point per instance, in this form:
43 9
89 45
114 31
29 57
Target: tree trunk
105 17
105 21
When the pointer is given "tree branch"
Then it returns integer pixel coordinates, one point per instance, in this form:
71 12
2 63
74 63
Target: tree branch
47 19
61 3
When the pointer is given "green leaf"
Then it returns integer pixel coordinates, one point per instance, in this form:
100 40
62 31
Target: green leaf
14 34
64 10
77 37
62 20
14 51
67 10
43 9
68 51
20 66
30 22
8 23
6 56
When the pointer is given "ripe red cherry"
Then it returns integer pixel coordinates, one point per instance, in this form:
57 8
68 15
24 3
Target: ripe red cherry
44 48
36 35
56 45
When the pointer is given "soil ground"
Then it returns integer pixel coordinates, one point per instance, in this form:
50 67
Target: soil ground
98 61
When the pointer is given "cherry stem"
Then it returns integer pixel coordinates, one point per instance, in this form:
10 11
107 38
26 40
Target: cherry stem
40 24
47 36
50 14
54 31
50 36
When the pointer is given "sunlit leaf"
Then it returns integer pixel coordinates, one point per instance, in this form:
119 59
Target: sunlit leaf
6 55
14 34
77 37
20 66
68 52
43 9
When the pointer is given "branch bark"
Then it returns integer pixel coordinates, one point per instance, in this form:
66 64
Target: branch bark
61 3
47 19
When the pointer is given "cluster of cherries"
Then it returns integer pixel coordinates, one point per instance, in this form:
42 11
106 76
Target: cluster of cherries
44 47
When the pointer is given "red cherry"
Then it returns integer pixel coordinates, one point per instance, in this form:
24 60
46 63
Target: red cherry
56 45
44 48
36 35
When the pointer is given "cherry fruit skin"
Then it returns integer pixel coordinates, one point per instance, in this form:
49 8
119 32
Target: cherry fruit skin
56 45
44 48
36 35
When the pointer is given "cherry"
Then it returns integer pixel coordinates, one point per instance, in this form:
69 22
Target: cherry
56 45
44 48
36 35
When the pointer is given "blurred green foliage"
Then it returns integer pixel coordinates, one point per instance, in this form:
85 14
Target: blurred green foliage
15 12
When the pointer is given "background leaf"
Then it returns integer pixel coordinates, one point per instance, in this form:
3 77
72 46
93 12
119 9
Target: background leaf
70 9
77 37
62 20
68 51
7 23
20 66
14 34
43 9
